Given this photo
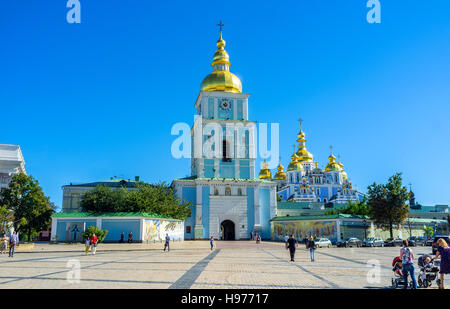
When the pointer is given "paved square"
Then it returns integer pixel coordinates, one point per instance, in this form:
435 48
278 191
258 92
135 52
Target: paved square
191 264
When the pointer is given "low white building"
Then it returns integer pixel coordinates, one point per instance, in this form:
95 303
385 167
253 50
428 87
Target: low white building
11 163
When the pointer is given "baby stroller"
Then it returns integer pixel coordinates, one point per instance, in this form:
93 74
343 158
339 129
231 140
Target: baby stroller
397 279
428 271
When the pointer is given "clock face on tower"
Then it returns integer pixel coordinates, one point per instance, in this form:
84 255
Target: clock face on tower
225 104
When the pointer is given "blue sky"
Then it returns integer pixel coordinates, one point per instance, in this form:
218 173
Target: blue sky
98 99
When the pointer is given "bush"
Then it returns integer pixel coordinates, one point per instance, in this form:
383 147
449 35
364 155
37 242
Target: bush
101 234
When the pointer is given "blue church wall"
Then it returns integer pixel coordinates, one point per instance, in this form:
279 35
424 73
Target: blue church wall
211 108
240 110
250 210
189 193
205 211
116 227
209 166
61 227
244 169
226 169
264 202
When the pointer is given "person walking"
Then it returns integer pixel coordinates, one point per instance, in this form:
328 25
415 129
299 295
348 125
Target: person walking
4 243
130 237
443 251
122 236
94 242
251 235
407 257
286 238
211 242
166 244
258 238
312 247
291 243
87 244
12 243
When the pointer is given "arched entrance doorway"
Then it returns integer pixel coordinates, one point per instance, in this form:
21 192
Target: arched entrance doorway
227 230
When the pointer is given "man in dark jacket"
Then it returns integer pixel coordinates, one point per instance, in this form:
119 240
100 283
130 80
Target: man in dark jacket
291 244
312 247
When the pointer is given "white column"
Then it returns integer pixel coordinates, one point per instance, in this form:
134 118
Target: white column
216 168
216 108
198 218
236 169
257 210
99 223
54 227
245 109
142 229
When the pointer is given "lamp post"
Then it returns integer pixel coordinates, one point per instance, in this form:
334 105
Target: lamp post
365 233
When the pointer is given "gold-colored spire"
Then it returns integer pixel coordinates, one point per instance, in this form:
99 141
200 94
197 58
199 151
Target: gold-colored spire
221 79
344 174
303 154
332 166
295 164
280 175
265 173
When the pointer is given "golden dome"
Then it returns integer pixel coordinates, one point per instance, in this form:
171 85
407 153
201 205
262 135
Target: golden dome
221 79
332 165
280 175
303 154
265 173
295 164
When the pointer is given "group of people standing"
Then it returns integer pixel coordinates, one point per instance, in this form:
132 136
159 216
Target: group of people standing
256 237
12 241
291 244
130 238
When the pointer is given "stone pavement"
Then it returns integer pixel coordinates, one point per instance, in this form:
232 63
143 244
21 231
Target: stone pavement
191 264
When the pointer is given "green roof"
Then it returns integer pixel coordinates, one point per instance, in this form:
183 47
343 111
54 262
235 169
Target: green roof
107 214
113 183
305 205
318 217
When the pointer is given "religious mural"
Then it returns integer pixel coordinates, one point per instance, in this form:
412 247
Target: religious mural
304 229
157 229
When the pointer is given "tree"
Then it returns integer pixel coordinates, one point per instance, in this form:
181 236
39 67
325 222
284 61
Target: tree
428 231
157 199
31 208
6 218
101 234
360 208
387 203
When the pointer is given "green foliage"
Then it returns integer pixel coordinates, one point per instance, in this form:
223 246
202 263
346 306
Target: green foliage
387 203
157 199
101 234
360 208
31 209
428 231
6 217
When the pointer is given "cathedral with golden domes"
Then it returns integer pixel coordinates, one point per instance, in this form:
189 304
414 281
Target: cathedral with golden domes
304 181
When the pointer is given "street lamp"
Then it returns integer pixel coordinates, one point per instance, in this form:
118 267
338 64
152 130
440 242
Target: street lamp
365 232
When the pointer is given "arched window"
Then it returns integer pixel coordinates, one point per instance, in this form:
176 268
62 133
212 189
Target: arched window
226 151
227 191
239 191
216 191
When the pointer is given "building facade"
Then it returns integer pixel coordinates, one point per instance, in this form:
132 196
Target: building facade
11 163
304 181
228 200
73 193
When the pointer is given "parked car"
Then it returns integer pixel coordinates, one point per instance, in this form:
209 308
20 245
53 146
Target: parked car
391 242
322 242
429 241
373 242
350 242
412 241
420 241
435 245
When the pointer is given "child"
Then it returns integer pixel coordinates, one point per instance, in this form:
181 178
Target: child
398 268
88 245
